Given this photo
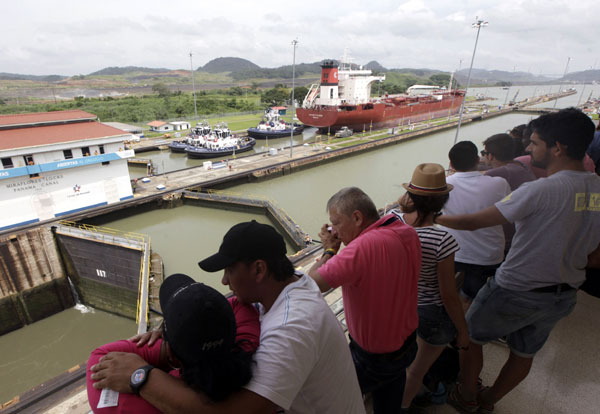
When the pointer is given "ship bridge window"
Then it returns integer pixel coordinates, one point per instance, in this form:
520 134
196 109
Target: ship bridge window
101 148
7 163
331 93
85 151
68 154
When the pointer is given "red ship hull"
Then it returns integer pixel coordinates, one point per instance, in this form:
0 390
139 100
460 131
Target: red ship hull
387 112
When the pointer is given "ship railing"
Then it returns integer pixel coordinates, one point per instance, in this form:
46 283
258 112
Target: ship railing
143 290
311 96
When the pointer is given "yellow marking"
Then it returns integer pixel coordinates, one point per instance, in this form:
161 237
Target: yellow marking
507 198
580 201
594 203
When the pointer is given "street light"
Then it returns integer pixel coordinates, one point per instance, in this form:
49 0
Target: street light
193 88
294 43
508 90
559 84
478 24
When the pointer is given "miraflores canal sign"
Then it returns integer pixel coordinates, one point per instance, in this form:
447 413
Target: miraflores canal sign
34 183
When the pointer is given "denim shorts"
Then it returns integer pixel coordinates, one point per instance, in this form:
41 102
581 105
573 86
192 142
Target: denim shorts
435 326
526 318
475 277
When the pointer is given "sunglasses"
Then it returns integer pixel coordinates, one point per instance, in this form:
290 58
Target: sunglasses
484 153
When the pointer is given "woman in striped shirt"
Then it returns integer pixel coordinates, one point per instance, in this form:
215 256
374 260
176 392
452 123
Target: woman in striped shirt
441 316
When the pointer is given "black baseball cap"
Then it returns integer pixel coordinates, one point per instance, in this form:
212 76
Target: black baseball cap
249 240
198 320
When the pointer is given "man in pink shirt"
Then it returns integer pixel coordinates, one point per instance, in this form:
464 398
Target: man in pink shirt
378 270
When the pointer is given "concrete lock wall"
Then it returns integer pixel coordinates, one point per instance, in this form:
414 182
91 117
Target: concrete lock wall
32 279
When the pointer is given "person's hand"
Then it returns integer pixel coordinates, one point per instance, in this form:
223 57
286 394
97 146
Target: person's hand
462 340
147 337
329 240
114 371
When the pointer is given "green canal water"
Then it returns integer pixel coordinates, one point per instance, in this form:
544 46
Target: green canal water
184 235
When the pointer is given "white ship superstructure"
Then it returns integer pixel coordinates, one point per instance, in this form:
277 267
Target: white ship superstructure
341 86
57 163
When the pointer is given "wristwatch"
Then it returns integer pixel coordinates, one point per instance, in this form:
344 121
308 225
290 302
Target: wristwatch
139 378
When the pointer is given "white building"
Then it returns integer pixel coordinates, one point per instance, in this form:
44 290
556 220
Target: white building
160 126
57 163
180 125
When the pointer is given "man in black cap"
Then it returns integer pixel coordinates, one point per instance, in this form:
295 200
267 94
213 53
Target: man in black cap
302 351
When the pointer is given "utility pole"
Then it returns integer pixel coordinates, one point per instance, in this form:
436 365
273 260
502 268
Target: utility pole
559 84
194 88
294 43
478 24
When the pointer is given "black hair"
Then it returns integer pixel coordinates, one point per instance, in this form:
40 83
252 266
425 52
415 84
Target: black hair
501 146
517 135
219 376
517 132
423 205
571 127
351 199
463 156
526 138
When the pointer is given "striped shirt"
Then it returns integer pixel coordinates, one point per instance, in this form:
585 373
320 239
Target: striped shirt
436 245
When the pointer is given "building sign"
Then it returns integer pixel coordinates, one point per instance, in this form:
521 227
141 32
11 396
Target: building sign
60 165
34 183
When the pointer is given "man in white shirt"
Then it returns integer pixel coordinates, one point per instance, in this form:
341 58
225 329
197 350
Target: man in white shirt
481 251
303 363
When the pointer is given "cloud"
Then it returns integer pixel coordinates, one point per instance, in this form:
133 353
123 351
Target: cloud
71 37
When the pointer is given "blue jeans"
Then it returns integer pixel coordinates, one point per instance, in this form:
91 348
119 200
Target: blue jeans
475 277
435 325
525 318
384 375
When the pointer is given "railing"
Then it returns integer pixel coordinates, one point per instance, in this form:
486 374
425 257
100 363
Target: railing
293 230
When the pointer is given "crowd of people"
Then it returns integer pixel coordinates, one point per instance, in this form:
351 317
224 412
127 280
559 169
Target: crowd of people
521 237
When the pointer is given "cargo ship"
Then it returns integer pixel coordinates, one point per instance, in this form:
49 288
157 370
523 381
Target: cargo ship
343 98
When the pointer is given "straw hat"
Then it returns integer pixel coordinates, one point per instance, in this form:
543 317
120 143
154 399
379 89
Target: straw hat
428 179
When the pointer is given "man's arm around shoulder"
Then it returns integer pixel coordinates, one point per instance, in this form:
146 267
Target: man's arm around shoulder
487 217
170 394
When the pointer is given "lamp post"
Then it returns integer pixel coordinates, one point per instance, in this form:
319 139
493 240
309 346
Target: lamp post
559 84
478 24
508 90
294 43
193 88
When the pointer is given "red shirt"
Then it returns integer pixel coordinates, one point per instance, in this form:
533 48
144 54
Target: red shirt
248 329
378 272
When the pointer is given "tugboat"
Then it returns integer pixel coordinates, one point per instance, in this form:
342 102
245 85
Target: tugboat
219 143
197 137
272 126
221 147
343 98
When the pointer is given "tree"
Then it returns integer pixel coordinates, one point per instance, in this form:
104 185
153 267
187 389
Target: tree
275 96
300 92
162 90
440 79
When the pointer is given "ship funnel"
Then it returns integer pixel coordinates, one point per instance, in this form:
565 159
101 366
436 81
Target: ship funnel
329 73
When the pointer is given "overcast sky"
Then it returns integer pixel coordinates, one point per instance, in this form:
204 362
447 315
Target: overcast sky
65 37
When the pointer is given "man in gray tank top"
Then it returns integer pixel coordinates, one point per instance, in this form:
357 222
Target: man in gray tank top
557 221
